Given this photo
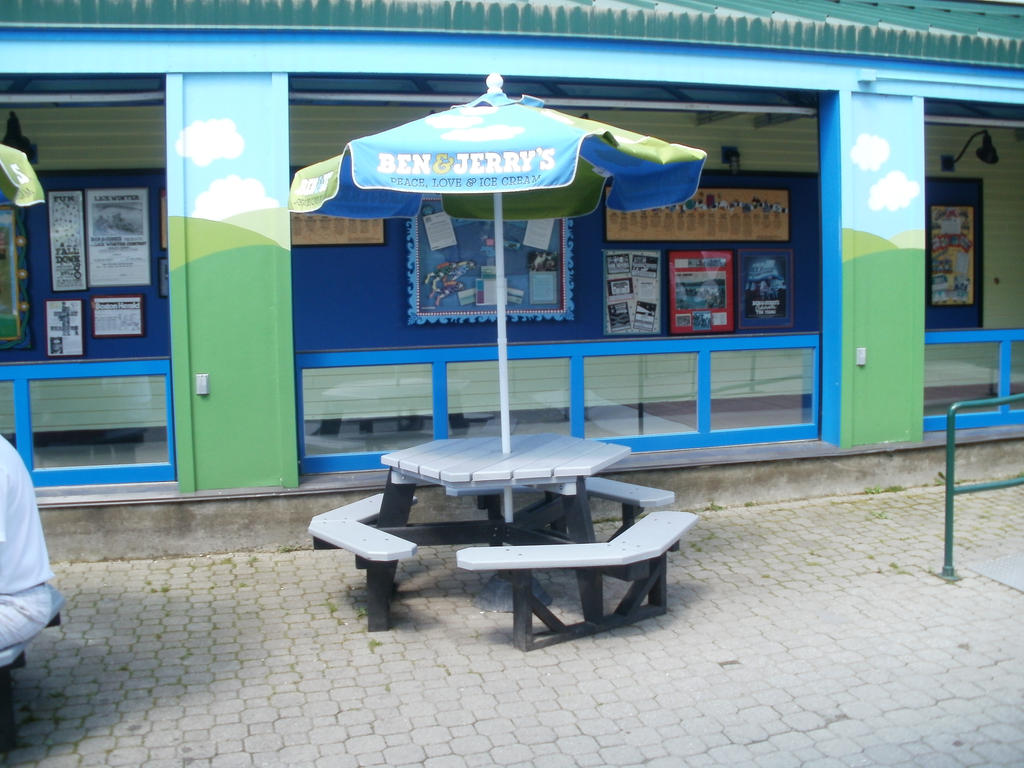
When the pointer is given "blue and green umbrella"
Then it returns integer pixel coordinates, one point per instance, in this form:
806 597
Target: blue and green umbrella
499 158
18 182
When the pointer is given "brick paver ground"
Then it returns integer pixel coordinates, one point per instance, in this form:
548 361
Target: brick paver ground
810 633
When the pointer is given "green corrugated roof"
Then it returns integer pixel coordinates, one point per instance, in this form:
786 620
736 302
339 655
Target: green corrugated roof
983 33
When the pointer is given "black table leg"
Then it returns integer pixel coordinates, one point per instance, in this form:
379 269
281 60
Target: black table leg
577 514
396 504
395 508
380 586
591 585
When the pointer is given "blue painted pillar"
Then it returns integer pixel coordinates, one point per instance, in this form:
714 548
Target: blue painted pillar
873 271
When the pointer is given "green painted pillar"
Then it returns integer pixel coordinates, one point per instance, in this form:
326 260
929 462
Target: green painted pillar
230 281
873 268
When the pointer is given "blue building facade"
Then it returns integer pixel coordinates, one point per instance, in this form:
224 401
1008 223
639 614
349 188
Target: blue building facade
225 346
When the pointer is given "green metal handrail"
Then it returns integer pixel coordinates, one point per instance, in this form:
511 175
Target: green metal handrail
948 572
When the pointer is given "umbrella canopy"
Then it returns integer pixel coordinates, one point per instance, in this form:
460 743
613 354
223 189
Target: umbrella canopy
550 164
499 158
18 182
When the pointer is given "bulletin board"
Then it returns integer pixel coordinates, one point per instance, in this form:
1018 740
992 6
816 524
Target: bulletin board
452 268
13 275
712 214
632 292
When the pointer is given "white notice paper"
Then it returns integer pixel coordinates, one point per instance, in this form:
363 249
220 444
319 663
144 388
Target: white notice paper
538 233
440 232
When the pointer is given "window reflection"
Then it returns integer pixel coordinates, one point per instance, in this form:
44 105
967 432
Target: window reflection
367 408
538 397
955 372
761 387
1017 372
99 421
640 394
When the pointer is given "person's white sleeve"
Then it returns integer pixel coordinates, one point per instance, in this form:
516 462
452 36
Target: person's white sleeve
5 482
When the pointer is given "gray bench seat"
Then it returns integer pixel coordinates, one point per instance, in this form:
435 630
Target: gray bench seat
638 555
361 511
363 540
650 537
598 486
629 493
345 528
13 657
376 551
633 498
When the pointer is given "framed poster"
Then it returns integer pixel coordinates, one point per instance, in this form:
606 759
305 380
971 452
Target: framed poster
14 327
714 213
114 316
452 273
67 240
701 292
117 236
765 286
163 219
317 229
632 292
952 262
63 328
162 278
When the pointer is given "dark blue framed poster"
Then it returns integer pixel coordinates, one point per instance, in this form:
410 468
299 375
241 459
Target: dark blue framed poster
765 288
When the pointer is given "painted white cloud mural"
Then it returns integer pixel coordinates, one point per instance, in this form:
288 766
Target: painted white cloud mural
870 152
893 192
231 196
207 140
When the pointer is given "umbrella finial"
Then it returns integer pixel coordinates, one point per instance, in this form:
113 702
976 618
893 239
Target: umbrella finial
494 83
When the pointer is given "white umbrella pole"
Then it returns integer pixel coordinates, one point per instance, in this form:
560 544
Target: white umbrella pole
502 291
500 309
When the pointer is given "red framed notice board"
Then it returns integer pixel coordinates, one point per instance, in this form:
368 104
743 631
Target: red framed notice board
701 286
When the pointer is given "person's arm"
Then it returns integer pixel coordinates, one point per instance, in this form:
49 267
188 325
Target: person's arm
5 484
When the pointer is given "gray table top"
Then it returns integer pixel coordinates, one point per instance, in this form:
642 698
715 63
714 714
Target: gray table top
539 459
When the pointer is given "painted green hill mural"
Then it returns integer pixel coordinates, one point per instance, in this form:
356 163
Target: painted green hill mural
206 237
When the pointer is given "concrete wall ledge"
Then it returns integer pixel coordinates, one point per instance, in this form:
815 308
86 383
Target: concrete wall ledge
156 520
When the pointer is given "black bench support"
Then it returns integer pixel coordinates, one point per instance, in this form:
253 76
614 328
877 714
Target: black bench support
645 597
8 728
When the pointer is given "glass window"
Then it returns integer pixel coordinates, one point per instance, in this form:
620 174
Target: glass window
761 387
7 410
1017 372
97 421
955 372
367 408
538 393
640 395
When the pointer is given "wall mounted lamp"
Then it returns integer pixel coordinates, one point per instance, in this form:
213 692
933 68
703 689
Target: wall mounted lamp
986 152
15 138
731 157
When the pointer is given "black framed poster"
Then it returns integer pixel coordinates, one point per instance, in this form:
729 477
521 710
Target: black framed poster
67 240
64 328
